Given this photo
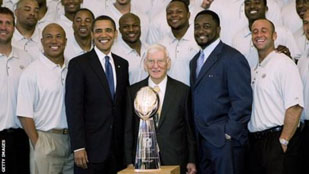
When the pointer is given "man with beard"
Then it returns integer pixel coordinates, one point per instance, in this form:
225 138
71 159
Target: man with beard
179 41
222 98
82 40
27 35
14 158
131 47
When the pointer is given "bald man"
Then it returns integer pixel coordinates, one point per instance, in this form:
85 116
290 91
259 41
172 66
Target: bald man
40 106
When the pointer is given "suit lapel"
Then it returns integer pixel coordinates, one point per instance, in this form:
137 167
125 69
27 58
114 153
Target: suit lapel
98 69
118 74
168 99
211 60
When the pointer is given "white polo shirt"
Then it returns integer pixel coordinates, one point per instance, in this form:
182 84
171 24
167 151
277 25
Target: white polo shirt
290 18
73 49
303 66
98 7
136 61
302 42
31 45
11 68
276 86
41 94
181 52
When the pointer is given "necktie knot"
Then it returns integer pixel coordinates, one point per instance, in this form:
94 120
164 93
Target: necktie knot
107 58
156 88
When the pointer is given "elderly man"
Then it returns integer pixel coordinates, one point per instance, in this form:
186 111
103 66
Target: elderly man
41 109
175 133
278 101
13 140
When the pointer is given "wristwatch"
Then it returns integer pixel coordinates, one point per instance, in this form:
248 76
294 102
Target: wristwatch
283 141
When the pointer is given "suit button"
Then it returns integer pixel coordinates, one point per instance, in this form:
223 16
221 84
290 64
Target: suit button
111 126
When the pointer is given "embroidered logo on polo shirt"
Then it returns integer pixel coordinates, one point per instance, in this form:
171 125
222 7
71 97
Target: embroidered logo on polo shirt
21 67
263 76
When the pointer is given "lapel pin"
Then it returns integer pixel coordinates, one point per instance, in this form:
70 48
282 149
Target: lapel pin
210 75
118 66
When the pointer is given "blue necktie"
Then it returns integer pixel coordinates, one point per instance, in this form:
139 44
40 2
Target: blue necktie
200 63
109 75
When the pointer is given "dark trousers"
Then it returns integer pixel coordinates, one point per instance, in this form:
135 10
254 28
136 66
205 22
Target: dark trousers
228 159
266 156
305 146
107 167
14 152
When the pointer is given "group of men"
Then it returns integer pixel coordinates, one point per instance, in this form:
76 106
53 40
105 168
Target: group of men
68 104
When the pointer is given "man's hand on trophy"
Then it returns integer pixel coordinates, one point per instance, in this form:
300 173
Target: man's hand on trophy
81 158
191 168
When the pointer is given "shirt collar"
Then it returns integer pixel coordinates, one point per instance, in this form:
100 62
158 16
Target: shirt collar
13 54
267 59
35 35
209 49
101 55
187 36
51 65
162 84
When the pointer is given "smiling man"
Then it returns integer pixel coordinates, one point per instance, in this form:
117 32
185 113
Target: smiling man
131 47
175 131
40 106
95 89
278 102
82 41
222 98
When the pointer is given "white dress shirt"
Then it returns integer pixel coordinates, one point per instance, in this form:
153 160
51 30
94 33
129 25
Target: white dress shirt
276 86
210 48
243 43
303 66
41 94
181 52
162 86
11 68
31 45
136 61
101 56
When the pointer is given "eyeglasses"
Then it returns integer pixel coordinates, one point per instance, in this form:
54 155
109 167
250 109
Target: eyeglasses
160 62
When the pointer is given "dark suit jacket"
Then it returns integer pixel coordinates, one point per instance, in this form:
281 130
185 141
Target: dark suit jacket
175 130
96 122
222 95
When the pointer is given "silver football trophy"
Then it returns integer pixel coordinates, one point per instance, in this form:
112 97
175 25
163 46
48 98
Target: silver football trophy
146 105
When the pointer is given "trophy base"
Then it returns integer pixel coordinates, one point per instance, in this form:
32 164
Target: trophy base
146 170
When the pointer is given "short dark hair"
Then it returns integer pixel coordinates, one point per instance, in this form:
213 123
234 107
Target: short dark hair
4 10
265 2
129 15
185 2
87 10
104 17
214 16
271 23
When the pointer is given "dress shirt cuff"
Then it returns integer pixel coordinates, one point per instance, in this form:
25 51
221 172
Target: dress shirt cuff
79 149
